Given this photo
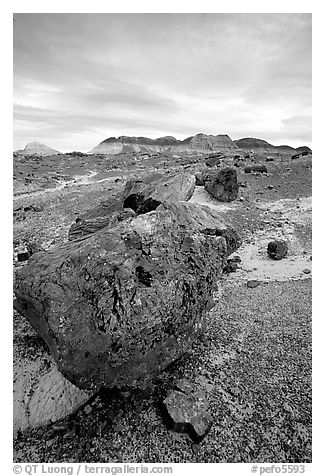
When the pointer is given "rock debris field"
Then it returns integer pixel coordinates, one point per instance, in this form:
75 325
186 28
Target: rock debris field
162 307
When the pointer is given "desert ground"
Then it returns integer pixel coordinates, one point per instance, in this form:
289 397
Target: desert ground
254 363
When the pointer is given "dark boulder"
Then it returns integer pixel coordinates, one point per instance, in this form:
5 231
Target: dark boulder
117 307
223 185
212 161
199 179
277 249
23 254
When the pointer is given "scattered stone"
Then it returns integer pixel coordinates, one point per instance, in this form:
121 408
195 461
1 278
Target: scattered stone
111 307
253 283
199 179
60 426
23 254
255 168
306 271
231 267
186 411
212 161
223 185
243 184
277 249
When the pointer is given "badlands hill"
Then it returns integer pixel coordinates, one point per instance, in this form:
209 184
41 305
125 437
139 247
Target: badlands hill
198 143
38 149
259 145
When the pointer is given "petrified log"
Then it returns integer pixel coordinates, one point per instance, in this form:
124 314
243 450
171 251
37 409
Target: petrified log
222 185
141 196
118 307
144 197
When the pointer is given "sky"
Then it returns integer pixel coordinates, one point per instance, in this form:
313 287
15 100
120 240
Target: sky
80 78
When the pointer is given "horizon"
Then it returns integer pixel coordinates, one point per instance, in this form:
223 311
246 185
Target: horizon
81 78
155 138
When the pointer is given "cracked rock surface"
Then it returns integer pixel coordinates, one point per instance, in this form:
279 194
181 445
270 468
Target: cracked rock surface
118 307
187 410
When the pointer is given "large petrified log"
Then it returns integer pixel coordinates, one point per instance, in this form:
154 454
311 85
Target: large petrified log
119 306
141 196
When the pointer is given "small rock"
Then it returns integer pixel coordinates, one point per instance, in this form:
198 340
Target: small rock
235 259
253 283
255 168
306 271
277 249
231 267
60 426
187 410
23 254
243 184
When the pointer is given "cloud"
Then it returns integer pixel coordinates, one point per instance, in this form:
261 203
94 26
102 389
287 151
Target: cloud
90 76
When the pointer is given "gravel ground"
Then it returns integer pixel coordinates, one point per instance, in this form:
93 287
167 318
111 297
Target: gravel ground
253 363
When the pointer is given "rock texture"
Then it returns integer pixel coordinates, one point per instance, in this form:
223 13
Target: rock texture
85 227
198 143
186 410
139 196
119 306
222 185
41 394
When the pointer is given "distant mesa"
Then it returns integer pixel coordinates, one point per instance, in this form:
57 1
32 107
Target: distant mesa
258 145
36 148
304 148
198 143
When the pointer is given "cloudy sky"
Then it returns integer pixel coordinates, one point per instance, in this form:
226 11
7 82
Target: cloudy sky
80 78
